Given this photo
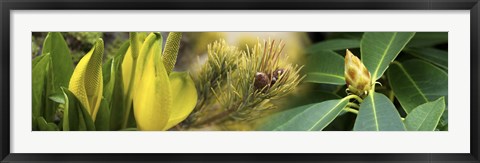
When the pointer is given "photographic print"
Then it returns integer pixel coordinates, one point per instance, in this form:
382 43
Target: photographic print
239 81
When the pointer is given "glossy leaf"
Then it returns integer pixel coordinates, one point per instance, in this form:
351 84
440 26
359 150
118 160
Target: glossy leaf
378 49
325 67
59 70
45 126
62 63
428 39
102 122
432 55
333 44
377 113
312 117
416 82
426 116
118 109
75 116
39 74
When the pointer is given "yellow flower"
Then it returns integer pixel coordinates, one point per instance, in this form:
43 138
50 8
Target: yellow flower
86 82
357 75
160 101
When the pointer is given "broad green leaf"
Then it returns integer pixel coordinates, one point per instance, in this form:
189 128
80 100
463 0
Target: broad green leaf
426 116
34 124
184 96
37 59
416 82
102 122
116 102
110 69
312 117
378 49
75 116
171 50
39 74
443 123
62 64
377 113
58 98
334 44
306 93
45 126
87 79
325 67
432 55
60 69
428 39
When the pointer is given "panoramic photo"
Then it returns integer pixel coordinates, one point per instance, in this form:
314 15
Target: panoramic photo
239 81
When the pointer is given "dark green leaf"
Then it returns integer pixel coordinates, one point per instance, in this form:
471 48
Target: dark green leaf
334 44
378 49
109 72
59 71
313 117
428 39
75 116
39 74
377 113
426 116
102 121
58 98
434 56
34 124
62 64
416 82
44 126
325 67
117 108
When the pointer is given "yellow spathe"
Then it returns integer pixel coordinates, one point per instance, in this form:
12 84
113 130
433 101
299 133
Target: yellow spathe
86 82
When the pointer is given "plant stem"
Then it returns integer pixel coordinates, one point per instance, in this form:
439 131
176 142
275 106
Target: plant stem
391 95
355 97
351 104
351 110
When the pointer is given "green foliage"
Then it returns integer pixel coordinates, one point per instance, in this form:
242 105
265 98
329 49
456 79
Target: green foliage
312 117
377 113
380 48
331 70
417 79
408 89
416 82
76 117
426 116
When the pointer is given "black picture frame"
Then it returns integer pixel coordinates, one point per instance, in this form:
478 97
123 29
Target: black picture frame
9 5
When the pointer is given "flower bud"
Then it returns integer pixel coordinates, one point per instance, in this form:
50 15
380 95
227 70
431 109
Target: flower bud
357 76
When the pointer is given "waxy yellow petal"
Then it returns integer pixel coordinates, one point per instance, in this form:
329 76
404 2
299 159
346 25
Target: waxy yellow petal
86 82
152 101
136 42
184 95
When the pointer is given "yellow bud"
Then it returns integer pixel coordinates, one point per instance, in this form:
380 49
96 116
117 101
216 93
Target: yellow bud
357 75
86 82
